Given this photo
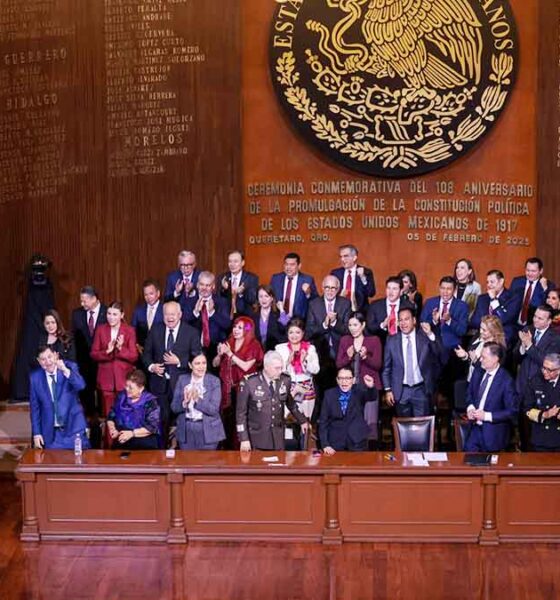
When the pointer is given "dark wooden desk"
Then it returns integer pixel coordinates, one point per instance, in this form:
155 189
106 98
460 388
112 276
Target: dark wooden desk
229 496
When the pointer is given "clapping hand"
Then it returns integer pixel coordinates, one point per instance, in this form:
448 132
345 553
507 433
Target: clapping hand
360 272
350 351
461 353
225 283
170 358
179 287
368 380
306 289
120 341
210 305
526 338
426 327
111 346
435 316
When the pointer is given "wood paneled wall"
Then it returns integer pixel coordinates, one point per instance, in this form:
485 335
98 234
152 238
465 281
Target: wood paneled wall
98 225
548 118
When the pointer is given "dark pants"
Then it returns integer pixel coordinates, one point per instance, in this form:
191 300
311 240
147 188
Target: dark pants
413 402
474 441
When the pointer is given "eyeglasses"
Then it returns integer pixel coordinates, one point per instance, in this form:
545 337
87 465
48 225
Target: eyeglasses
186 265
547 370
330 287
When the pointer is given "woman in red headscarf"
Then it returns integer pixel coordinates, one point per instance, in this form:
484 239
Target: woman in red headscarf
239 356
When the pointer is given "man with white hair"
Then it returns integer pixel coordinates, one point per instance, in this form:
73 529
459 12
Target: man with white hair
260 407
181 283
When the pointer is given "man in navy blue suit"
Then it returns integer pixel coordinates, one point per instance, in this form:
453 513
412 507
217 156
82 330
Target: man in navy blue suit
383 315
180 284
492 403
356 281
56 413
498 301
293 288
209 314
238 286
447 315
531 289
342 425
147 313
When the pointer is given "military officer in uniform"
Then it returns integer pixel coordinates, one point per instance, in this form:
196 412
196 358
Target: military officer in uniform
260 407
542 406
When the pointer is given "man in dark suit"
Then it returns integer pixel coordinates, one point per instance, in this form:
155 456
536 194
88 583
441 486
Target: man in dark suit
327 322
382 316
180 284
57 416
531 289
260 408
534 344
148 313
492 403
541 404
293 288
209 314
410 367
342 425
447 315
84 323
237 286
500 302
356 281
169 347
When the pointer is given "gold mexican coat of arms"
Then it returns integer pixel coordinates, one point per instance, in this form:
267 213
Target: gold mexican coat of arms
393 87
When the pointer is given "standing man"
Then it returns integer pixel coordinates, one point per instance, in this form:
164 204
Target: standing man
410 367
531 289
56 413
209 314
541 404
492 403
237 286
534 344
500 302
356 281
147 314
293 288
382 315
181 283
327 322
261 402
169 347
84 323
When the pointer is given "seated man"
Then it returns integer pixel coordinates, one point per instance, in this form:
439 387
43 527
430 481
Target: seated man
492 403
56 413
261 403
541 404
342 425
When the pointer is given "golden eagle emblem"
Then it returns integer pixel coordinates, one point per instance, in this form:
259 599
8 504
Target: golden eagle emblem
393 87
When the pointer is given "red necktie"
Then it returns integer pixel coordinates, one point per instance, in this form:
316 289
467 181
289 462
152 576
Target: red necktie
91 324
287 296
205 326
444 310
526 301
348 284
393 320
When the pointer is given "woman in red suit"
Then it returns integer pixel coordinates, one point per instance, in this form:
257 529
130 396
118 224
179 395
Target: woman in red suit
364 356
114 349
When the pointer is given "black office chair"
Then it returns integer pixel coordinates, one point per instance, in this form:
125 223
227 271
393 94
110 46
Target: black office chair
462 428
414 434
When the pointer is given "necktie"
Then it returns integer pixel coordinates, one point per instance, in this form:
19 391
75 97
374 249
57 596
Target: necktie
409 380
331 306
271 386
91 324
205 325
185 282
52 386
348 286
445 309
170 341
538 335
344 398
526 300
234 282
151 311
393 320
483 387
287 296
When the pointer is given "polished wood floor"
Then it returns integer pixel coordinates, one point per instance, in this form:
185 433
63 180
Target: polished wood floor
221 571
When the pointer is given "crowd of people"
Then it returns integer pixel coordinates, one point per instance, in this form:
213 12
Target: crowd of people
225 361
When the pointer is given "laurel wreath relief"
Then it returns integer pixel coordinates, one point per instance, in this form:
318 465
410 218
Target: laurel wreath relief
404 157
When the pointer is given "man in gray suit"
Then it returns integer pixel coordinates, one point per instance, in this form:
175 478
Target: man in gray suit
260 407
412 359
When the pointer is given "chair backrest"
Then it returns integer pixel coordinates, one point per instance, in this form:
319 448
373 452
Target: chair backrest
414 434
461 428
